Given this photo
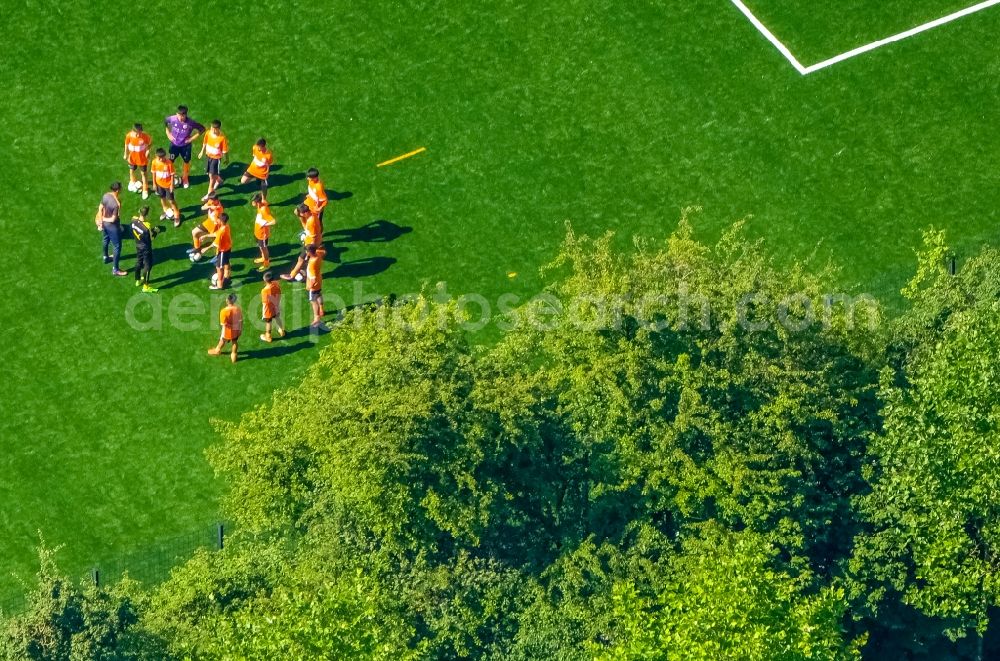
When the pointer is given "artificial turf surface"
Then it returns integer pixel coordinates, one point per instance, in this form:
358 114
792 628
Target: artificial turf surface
815 31
611 115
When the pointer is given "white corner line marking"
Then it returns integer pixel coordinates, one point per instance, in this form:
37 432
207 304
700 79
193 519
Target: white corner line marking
861 49
782 48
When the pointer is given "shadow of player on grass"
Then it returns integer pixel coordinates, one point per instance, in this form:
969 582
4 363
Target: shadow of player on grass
377 231
332 196
361 268
287 345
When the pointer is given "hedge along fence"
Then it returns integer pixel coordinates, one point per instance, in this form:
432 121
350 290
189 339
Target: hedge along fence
148 565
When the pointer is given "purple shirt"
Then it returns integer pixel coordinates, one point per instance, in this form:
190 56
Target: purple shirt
180 131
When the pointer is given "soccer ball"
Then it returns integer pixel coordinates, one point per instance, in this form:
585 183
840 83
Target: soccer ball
169 213
299 277
302 237
195 257
215 279
134 186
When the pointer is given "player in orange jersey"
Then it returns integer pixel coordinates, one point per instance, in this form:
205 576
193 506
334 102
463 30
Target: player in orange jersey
260 166
262 230
270 298
224 247
231 321
316 193
163 184
216 147
312 235
206 230
137 144
314 285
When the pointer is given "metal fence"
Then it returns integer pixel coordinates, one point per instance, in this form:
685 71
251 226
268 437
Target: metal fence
148 565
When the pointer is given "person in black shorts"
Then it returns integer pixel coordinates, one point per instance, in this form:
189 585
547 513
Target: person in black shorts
163 186
181 131
214 146
144 234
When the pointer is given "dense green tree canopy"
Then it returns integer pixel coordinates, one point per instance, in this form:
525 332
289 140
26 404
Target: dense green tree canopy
679 450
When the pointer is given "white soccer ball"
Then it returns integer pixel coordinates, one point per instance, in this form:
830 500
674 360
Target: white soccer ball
215 279
299 277
169 213
132 186
195 257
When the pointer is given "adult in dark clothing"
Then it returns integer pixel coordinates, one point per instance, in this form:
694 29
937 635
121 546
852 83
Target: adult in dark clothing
109 224
144 234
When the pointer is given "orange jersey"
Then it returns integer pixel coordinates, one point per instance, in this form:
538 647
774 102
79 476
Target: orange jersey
216 146
270 296
314 231
231 320
163 172
262 225
314 273
316 196
213 211
261 164
223 238
137 145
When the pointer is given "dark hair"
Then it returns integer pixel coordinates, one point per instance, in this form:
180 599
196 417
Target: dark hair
137 126
257 198
312 173
116 186
232 298
182 110
161 152
144 212
223 217
268 277
262 143
216 124
301 209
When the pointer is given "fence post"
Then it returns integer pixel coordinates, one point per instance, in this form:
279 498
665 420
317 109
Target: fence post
96 575
221 535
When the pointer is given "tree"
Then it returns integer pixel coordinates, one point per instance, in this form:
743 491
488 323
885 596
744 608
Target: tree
703 382
378 440
722 598
933 506
63 621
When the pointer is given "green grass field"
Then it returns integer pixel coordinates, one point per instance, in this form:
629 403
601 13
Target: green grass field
613 117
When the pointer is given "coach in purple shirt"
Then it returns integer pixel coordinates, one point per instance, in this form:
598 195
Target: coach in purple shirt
182 131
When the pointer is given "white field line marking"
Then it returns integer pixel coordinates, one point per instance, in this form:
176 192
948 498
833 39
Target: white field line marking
782 48
861 49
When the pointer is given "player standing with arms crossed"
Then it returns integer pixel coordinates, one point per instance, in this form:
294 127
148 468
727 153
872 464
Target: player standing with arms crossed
216 147
137 144
181 131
